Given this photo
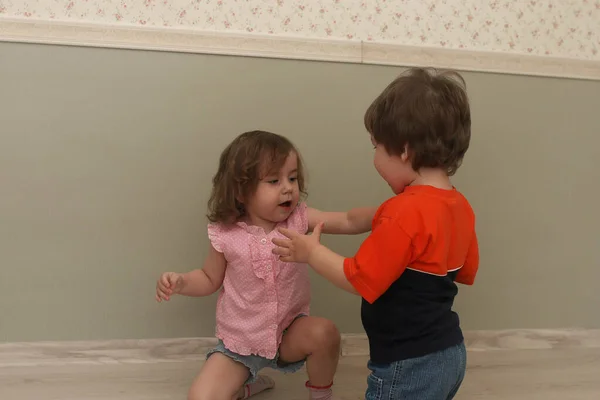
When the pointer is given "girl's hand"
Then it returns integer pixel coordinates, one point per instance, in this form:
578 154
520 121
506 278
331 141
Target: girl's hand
297 247
169 283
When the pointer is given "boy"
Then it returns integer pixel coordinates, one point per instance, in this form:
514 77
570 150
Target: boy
423 240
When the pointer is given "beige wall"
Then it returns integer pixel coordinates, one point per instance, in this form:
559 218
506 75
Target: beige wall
105 165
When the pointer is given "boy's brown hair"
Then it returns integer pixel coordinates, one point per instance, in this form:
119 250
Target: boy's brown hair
427 113
244 162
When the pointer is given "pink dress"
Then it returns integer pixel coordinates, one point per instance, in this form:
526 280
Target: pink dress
261 296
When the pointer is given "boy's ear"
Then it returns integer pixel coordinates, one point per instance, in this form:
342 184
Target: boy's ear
405 156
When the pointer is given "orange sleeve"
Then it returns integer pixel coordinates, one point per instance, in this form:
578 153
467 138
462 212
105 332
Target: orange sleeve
380 260
466 275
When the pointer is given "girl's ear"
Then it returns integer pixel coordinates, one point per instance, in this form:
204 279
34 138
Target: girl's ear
239 199
240 208
239 204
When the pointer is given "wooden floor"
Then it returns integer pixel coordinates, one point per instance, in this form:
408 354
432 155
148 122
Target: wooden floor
547 374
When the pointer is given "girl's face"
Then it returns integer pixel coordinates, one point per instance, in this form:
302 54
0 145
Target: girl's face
276 196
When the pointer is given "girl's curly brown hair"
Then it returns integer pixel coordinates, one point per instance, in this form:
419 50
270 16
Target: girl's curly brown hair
244 162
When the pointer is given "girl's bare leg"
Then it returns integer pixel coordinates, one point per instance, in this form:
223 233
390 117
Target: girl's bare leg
222 378
219 379
318 341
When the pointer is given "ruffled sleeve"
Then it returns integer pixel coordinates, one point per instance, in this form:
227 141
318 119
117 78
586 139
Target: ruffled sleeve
216 237
298 220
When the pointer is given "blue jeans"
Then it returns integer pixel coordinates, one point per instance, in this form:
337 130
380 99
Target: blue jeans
436 376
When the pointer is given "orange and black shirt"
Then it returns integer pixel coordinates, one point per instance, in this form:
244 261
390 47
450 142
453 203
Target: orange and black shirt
422 242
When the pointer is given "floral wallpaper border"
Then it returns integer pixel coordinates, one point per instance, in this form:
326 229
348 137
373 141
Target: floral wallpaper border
129 36
556 28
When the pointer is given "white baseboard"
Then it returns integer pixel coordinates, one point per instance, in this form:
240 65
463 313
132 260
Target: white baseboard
494 340
124 36
148 351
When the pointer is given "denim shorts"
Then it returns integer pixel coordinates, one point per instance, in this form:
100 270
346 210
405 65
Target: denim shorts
256 363
436 376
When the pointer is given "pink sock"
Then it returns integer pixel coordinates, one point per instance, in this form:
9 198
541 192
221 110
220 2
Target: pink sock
262 383
320 393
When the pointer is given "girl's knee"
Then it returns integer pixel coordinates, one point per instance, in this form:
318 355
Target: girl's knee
324 334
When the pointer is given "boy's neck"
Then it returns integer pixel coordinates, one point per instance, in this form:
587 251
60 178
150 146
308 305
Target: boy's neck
435 177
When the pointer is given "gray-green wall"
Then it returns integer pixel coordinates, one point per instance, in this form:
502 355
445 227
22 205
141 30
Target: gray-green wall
106 158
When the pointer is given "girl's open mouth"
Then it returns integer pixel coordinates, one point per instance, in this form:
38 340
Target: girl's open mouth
286 204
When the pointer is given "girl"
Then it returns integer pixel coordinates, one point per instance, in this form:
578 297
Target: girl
263 306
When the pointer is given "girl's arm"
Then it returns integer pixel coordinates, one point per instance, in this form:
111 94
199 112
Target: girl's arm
209 279
355 221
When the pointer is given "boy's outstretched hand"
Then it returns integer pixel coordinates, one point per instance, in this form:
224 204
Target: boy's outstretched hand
307 249
297 247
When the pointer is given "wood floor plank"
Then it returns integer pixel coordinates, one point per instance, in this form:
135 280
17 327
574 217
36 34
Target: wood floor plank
549 374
